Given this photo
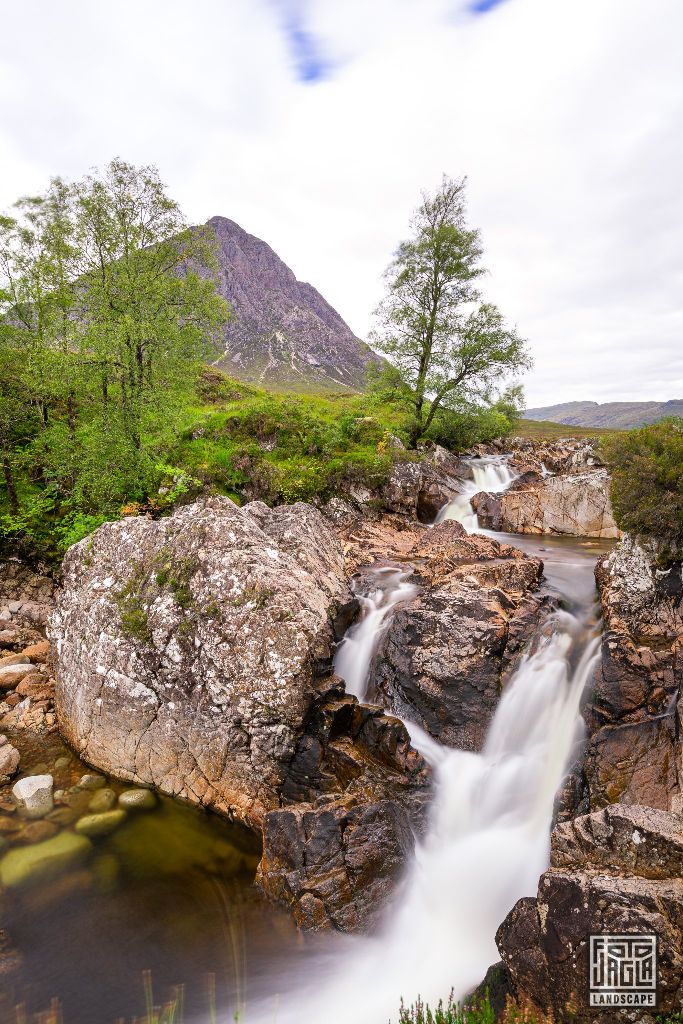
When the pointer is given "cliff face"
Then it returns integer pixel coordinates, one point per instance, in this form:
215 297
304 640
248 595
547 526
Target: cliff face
282 333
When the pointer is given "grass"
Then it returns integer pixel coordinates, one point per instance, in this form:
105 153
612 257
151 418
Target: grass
544 430
244 441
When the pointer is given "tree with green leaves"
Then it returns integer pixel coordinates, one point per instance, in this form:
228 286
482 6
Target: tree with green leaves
108 308
449 348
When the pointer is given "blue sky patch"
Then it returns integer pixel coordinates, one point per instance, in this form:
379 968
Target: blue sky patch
310 63
482 6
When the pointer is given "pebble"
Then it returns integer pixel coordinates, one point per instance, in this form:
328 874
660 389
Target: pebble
14 606
10 675
137 799
103 800
100 824
37 831
92 781
14 659
33 794
62 762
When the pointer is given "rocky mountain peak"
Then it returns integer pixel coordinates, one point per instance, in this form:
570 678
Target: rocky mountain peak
283 333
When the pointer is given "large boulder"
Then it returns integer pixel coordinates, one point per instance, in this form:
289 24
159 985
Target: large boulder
187 647
443 660
618 871
635 709
576 505
193 654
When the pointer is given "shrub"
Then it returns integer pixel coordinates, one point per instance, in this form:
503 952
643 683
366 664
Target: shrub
647 480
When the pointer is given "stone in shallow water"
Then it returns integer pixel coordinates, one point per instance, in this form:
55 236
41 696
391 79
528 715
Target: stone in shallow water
137 799
26 865
103 800
34 795
37 831
92 781
100 824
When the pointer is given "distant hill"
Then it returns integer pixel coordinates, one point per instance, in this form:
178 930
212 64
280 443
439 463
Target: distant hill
617 415
283 334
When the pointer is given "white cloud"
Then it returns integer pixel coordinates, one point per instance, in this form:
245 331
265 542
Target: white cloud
566 117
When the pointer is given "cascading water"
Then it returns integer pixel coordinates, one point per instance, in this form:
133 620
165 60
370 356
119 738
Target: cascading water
488 838
353 657
491 474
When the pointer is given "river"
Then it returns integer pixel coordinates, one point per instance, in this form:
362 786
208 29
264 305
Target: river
174 894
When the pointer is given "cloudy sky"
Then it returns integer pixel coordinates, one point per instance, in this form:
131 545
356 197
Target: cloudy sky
316 123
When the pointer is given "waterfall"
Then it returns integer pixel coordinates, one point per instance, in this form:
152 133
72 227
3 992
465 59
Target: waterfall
354 654
486 846
489 474
488 837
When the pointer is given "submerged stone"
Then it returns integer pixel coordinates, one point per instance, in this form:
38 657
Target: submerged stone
137 799
100 824
26 865
92 781
103 800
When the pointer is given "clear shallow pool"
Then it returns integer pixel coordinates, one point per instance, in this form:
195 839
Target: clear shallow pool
170 892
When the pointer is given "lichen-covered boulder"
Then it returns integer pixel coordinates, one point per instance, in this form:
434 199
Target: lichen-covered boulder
187 648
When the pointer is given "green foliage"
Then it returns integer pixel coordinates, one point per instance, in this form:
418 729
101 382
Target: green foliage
107 310
447 347
647 480
480 1012
460 428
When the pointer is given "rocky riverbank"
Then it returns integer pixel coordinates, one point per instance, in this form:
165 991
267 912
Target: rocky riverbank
192 656
616 869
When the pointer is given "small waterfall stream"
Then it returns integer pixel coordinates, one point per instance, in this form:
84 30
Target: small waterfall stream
491 474
488 838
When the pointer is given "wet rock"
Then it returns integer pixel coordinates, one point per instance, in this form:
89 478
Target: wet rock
617 871
10 958
33 795
634 710
103 800
334 864
37 831
137 800
9 760
357 793
443 660
103 824
209 628
28 865
575 505
92 781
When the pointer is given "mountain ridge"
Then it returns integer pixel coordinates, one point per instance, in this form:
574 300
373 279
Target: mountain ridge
283 332
618 415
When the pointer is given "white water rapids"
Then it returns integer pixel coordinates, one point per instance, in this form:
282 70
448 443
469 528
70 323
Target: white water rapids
487 842
489 474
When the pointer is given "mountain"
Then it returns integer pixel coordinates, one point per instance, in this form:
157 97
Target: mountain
282 333
619 415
